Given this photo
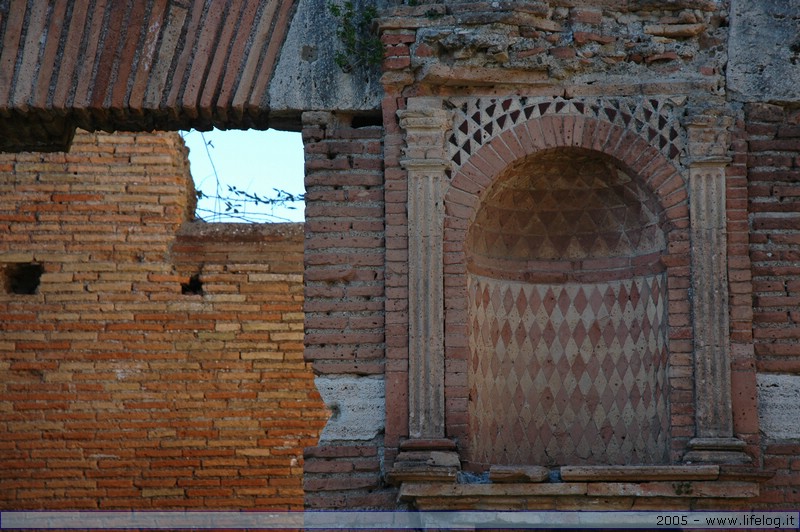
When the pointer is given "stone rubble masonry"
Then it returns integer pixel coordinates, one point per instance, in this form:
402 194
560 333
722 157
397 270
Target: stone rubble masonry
118 390
611 47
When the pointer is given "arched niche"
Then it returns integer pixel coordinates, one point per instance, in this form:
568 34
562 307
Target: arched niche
567 315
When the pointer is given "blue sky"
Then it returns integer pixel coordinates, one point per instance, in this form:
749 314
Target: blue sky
253 161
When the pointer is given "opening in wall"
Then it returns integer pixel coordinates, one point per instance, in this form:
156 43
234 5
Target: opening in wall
194 286
361 121
567 316
247 176
22 278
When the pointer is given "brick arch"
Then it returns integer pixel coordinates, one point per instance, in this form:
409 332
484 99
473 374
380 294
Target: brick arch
471 183
632 152
135 66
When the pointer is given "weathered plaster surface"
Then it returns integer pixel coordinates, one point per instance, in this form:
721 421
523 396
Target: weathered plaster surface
356 405
779 406
757 27
307 78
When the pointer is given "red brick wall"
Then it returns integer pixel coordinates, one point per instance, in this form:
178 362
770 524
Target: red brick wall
774 203
743 373
118 390
344 297
773 178
344 245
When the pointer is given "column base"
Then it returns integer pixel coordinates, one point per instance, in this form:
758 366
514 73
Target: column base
717 451
426 460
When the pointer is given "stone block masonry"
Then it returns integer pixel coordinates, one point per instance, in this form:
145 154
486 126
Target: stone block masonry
159 362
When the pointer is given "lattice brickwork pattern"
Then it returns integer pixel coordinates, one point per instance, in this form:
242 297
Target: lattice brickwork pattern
480 120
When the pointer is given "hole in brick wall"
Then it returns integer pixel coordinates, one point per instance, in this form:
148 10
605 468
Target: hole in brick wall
360 121
22 278
193 287
247 176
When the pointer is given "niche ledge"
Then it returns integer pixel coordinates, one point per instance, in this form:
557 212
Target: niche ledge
590 487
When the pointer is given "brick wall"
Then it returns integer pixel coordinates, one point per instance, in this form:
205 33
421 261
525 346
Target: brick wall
773 177
123 382
774 204
345 339
743 375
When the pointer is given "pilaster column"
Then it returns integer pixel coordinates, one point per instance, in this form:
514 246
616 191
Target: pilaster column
425 160
709 139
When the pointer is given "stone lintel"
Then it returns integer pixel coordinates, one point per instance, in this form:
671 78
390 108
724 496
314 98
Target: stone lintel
439 74
467 496
425 164
639 473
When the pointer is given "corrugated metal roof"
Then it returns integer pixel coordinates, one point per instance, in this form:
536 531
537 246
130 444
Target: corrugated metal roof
134 64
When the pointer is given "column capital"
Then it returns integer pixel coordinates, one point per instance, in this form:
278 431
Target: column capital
424 165
707 162
708 138
425 124
424 113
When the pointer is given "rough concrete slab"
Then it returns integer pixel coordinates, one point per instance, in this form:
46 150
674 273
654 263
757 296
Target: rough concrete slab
357 405
764 50
307 78
779 406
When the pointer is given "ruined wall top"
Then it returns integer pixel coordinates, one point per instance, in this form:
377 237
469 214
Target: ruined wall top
174 64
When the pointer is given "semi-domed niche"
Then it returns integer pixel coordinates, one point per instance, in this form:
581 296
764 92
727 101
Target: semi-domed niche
567 316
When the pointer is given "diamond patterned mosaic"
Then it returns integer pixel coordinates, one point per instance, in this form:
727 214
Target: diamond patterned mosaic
479 120
566 205
568 374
